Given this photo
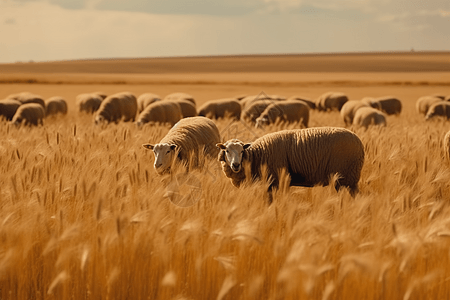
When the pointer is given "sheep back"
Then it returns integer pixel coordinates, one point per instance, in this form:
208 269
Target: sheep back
160 112
29 114
424 103
331 101
349 109
286 111
55 105
310 157
88 103
180 96
27 97
311 104
120 106
8 108
439 109
366 116
390 105
192 135
221 108
145 100
188 108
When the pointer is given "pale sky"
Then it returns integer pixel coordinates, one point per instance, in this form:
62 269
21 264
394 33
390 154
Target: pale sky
49 30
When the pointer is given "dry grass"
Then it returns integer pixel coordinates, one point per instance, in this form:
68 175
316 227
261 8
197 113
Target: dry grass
84 216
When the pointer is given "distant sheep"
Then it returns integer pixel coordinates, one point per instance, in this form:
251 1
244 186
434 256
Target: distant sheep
221 108
8 108
27 97
188 108
55 105
29 114
190 140
89 103
161 112
371 102
439 109
145 100
254 110
424 103
311 104
285 111
249 100
389 105
331 101
180 96
367 116
117 107
349 109
309 156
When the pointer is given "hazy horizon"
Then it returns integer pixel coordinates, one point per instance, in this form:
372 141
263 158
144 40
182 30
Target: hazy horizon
55 30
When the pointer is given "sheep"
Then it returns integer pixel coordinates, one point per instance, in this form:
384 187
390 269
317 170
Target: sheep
424 103
101 94
285 111
89 103
447 146
29 114
439 109
349 109
180 96
389 105
121 106
254 110
366 116
188 108
371 102
311 104
160 112
145 100
186 143
331 101
27 97
249 100
55 105
215 109
309 156
8 108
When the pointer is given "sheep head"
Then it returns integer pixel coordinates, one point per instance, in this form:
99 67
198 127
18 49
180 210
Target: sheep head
232 153
164 156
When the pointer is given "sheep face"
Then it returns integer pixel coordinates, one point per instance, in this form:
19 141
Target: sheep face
164 156
99 120
234 151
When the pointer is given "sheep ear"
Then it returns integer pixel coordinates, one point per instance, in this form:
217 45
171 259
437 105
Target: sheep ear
221 146
148 146
247 146
221 156
173 147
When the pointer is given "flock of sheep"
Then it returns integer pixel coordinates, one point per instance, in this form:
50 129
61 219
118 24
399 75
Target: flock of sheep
309 156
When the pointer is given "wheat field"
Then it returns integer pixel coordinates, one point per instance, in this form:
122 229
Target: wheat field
84 216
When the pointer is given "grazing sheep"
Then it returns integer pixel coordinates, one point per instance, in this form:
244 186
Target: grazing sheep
254 110
121 106
389 105
309 156
424 103
180 96
55 105
249 100
447 146
349 109
160 112
285 111
331 101
439 109
221 108
188 108
27 97
310 103
89 103
8 108
145 100
371 102
367 116
190 140
29 114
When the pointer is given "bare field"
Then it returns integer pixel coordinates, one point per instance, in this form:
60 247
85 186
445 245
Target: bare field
85 216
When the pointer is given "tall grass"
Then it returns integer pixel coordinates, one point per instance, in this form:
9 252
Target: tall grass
84 216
